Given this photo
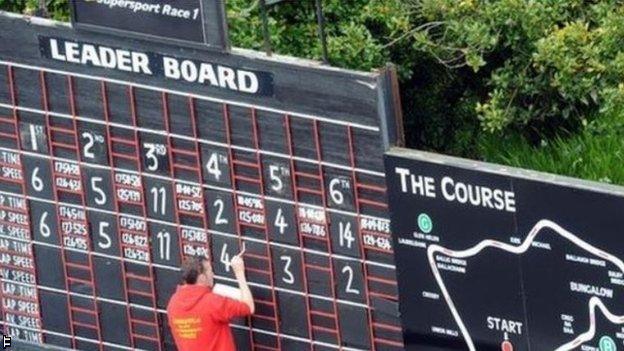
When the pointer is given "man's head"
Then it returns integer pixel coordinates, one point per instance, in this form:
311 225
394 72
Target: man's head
197 270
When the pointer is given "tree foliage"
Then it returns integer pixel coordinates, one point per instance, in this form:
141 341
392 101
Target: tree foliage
548 64
537 76
358 31
57 9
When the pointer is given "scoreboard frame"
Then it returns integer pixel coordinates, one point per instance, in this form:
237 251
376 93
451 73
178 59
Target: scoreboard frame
319 135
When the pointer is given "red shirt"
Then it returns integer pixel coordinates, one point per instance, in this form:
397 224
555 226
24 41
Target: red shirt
199 319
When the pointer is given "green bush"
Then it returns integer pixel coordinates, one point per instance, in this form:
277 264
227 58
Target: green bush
58 9
549 64
596 153
358 31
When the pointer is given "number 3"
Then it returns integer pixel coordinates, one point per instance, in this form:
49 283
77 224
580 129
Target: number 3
289 279
151 154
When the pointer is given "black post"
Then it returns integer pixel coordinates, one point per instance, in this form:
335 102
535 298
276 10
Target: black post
320 19
265 28
42 11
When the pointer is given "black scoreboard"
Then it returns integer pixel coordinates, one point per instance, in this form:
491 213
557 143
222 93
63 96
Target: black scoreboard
494 258
119 157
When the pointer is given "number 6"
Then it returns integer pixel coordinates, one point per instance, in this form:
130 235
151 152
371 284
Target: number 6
44 229
36 182
336 195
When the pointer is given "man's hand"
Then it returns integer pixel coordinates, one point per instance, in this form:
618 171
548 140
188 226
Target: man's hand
238 265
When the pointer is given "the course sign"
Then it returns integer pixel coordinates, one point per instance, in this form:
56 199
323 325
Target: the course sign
490 258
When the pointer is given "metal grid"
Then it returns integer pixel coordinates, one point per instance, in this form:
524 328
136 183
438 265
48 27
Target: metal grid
246 160
18 265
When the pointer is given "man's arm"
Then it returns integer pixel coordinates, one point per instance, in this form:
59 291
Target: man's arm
238 266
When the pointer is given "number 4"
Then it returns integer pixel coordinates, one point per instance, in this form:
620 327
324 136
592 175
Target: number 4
225 258
212 166
280 221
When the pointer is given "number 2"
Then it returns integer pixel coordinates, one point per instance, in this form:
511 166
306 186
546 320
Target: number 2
349 288
89 145
219 218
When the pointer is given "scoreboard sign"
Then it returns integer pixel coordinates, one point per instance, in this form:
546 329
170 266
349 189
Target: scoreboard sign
492 258
198 21
118 158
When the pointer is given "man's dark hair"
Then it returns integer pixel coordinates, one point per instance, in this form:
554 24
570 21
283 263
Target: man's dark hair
192 268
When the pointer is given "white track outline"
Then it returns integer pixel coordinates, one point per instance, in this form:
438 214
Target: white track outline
594 302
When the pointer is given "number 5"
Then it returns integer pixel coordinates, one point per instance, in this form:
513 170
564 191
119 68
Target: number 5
273 173
101 199
107 240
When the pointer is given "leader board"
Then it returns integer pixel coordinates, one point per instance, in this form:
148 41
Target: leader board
119 157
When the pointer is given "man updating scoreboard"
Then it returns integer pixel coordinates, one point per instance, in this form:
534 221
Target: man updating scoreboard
199 317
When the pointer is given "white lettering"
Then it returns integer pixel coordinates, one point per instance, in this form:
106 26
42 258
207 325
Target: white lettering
72 50
171 67
54 51
247 82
